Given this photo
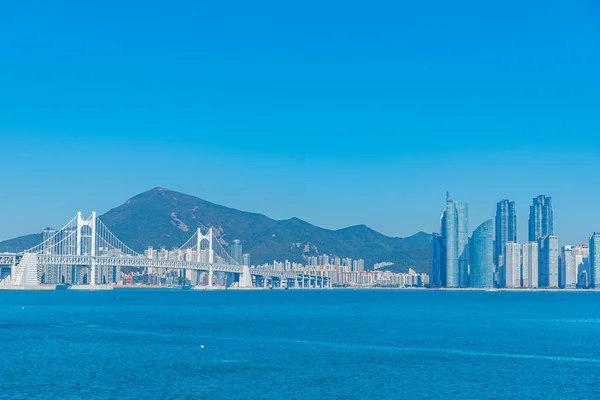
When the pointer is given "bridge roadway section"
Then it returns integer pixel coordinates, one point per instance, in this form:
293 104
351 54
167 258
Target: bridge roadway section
110 261
10 260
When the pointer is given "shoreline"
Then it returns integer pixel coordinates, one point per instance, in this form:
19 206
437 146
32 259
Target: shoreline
219 288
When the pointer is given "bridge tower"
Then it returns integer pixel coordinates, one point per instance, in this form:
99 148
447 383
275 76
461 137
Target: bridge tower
91 222
211 256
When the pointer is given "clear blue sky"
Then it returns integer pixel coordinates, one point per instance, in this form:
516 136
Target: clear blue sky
337 112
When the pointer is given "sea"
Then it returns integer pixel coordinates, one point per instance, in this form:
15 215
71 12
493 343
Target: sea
299 344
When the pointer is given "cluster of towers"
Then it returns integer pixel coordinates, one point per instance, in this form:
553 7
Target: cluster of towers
492 257
235 251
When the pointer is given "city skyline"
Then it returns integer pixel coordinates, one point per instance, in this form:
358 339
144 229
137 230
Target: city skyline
521 228
497 259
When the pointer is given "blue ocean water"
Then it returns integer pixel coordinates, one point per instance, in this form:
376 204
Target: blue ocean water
155 344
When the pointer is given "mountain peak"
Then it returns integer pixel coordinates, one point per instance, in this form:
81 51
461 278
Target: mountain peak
157 190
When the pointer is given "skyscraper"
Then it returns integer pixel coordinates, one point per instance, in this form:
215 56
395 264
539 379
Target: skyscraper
506 228
455 231
48 239
438 260
567 272
463 243
481 247
595 260
541 218
581 254
235 251
246 259
548 261
530 265
512 265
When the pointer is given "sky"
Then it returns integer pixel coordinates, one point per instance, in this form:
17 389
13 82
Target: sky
336 112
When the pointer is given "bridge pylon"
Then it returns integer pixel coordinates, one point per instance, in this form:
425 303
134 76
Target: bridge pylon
91 223
211 257
245 277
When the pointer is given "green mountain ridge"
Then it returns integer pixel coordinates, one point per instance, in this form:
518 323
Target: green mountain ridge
165 218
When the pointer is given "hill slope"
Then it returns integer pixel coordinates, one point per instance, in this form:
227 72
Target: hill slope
164 218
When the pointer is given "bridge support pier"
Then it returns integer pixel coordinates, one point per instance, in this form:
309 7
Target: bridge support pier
245 278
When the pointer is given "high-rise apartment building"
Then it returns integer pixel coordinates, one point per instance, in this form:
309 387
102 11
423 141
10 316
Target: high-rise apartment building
512 265
455 231
529 269
506 229
581 254
567 272
481 247
541 218
48 238
548 261
595 260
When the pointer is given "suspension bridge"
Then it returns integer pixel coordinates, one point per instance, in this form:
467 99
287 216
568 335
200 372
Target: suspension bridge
86 252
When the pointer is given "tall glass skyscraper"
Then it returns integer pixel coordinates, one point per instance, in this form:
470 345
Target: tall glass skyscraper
438 260
541 218
506 229
455 231
235 251
482 256
463 243
595 260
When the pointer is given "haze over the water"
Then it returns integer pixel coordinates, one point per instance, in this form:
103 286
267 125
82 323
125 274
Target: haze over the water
339 114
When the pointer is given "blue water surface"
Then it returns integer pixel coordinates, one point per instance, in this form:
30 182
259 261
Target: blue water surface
336 344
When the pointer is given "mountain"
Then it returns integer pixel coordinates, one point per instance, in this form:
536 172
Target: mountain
164 218
21 243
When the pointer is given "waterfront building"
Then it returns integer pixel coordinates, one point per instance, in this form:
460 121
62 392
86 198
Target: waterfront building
594 278
438 260
454 229
512 265
548 261
568 271
235 251
150 253
581 254
360 265
48 239
481 247
246 259
541 218
529 268
506 231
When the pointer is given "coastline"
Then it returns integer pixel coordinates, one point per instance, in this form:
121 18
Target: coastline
219 288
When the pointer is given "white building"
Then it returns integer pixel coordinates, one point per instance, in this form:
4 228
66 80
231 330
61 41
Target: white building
568 268
581 254
512 264
530 265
